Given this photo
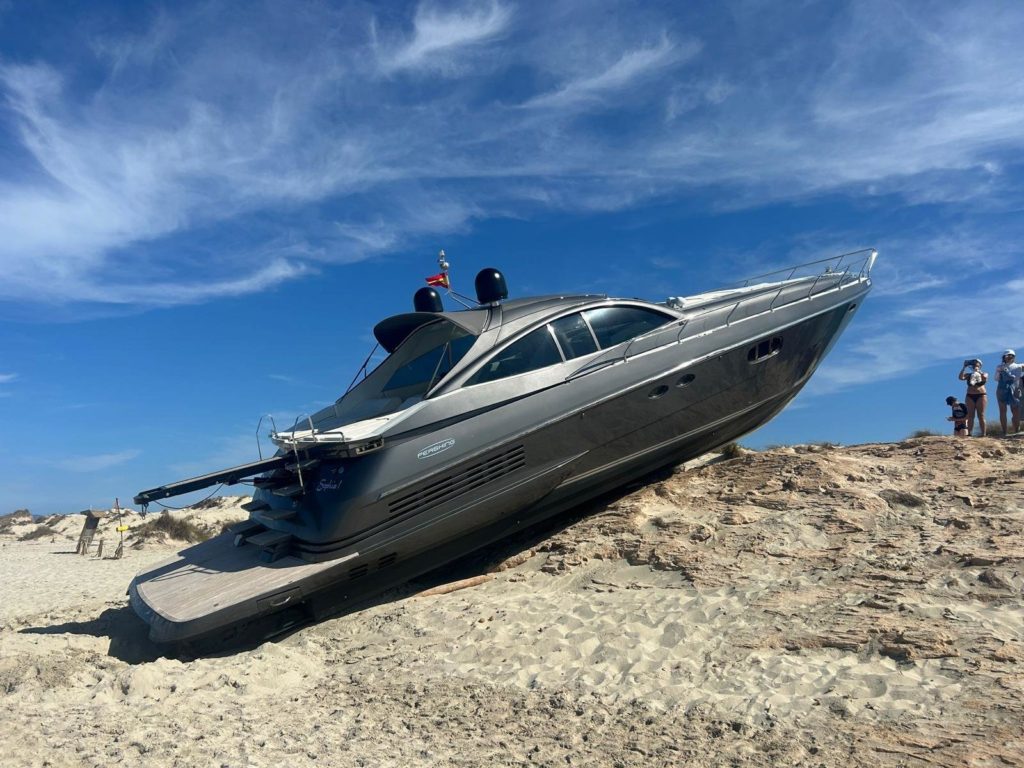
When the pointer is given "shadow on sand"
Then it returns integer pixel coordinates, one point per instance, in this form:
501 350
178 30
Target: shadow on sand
130 643
127 633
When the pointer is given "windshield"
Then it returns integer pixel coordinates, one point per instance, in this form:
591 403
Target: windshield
404 377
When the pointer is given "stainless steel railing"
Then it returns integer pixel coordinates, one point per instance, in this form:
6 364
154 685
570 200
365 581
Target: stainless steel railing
819 276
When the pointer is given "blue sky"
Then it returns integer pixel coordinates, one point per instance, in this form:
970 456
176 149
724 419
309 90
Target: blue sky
204 207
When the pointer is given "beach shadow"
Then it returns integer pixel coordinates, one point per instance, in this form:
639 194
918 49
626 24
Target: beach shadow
475 563
128 634
487 558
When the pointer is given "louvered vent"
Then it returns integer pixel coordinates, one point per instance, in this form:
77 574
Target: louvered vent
387 561
358 572
447 488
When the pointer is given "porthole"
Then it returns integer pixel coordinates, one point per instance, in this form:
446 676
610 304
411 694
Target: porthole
657 392
764 349
685 380
851 307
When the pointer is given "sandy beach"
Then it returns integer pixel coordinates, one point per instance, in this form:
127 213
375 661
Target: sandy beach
808 605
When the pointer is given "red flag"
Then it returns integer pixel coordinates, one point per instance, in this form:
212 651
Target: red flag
441 279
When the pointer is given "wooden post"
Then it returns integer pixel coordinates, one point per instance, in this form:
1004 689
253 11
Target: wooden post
121 528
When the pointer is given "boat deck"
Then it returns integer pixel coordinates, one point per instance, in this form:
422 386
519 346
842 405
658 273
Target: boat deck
215 584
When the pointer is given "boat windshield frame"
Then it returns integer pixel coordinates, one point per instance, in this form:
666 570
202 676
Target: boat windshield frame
417 366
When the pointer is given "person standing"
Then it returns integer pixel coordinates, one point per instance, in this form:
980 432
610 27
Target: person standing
977 397
1008 383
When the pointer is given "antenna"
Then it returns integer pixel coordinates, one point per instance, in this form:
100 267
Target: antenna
444 280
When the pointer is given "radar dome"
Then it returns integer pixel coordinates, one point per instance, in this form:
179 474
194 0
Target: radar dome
490 286
427 300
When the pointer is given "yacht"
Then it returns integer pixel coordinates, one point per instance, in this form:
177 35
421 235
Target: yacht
483 421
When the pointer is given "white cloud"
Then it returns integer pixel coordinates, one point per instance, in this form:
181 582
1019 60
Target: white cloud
96 462
6 378
973 322
439 34
212 158
623 72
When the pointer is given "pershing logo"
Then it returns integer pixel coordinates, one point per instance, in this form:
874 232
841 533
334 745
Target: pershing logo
438 447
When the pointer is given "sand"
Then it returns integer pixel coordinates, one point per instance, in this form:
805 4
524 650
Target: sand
812 605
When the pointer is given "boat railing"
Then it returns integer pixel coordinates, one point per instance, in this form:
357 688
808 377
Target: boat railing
798 283
818 277
862 260
273 430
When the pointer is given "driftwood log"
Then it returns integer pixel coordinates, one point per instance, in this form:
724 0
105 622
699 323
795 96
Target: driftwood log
455 586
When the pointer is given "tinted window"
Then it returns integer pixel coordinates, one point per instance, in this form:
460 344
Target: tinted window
764 348
432 365
614 325
574 336
536 350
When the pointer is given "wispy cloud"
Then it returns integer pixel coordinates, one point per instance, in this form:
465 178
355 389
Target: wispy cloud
6 378
622 73
967 300
182 167
440 33
96 462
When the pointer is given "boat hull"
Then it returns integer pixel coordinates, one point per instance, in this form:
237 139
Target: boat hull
216 595
437 494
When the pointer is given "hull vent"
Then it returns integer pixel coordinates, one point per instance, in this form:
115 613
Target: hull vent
387 561
472 477
358 572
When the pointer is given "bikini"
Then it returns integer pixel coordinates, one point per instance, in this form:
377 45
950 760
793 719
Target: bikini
974 397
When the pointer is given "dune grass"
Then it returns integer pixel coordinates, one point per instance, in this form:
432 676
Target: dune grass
173 527
732 450
39 532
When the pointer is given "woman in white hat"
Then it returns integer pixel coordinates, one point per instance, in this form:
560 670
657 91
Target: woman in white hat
1008 383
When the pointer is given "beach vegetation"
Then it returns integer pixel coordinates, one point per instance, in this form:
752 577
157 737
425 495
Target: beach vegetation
172 527
39 532
16 517
731 450
923 433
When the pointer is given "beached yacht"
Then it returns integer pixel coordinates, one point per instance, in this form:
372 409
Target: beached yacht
482 421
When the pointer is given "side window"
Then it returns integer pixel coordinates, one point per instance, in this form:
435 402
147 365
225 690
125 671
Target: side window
764 349
574 336
614 325
533 351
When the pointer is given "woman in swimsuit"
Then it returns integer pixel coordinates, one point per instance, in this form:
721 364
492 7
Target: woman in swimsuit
977 397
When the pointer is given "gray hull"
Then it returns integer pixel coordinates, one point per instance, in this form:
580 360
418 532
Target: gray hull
481 464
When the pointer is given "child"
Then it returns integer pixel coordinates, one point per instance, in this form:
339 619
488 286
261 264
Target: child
959 417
